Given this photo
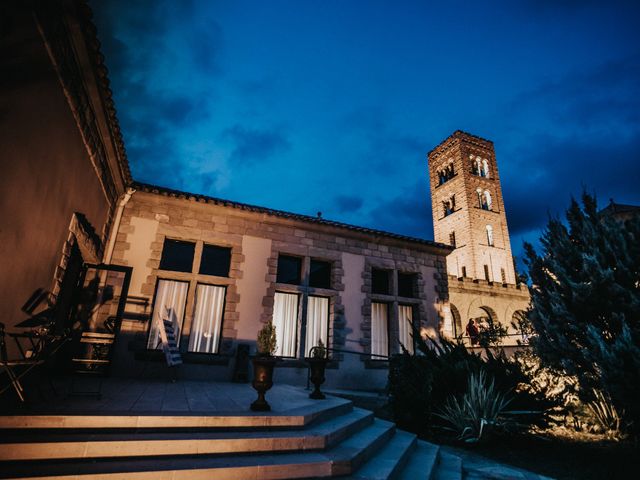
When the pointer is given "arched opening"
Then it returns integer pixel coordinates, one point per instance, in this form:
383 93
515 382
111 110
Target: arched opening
485 168
456 321
521 325
489 235
486 203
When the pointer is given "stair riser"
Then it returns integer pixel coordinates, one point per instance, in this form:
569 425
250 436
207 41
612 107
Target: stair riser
140 448
262 472
167 422
345 468
402 462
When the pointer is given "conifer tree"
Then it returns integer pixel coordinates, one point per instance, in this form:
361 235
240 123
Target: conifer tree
586 303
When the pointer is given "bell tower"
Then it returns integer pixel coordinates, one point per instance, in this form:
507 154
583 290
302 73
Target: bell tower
468 211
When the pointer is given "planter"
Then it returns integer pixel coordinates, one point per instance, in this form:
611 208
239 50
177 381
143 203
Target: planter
316 375
262 381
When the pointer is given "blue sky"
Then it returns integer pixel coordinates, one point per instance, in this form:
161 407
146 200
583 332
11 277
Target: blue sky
332 106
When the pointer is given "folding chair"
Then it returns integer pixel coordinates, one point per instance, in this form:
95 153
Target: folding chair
12 367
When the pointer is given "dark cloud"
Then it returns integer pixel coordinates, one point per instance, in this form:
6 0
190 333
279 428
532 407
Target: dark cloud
252 145
407 214
348 203
552 170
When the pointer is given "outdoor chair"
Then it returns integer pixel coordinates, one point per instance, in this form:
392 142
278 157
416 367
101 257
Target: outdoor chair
92 359
16 369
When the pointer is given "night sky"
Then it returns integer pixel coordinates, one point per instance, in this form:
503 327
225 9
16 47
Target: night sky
332 106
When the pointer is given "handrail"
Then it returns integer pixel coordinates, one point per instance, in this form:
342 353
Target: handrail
340 350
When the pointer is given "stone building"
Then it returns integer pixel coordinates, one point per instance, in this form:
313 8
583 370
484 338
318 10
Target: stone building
469 214
219 270
63 166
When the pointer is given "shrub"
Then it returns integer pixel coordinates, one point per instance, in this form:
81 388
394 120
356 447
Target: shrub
480 409
586 305
421 384
266 341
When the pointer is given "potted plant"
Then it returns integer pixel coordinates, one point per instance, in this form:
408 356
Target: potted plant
263 364
317 364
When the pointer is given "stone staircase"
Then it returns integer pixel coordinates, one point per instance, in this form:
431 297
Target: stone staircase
331 438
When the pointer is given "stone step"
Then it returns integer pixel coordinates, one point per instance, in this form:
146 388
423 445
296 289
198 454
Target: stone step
449 467
294 418
354 451
389 460
422 462
342 458
79 444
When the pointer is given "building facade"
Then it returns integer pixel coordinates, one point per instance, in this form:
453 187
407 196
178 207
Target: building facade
469 214
63 163
220 270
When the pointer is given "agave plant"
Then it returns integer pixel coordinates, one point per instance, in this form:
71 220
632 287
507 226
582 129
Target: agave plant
479 408
605 413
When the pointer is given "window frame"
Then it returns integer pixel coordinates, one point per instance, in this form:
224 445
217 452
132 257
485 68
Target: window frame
153 309
193 317
174 240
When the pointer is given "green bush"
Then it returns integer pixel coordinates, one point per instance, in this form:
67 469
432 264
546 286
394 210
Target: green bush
421 384
478 411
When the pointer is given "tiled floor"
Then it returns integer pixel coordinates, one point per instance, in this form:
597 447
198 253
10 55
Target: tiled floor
162 396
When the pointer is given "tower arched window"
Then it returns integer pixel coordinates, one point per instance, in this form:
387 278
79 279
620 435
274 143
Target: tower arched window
485 168
478 167
486 200
490 235
449 205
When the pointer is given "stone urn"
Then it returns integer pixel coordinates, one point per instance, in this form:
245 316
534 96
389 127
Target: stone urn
262 380
317 366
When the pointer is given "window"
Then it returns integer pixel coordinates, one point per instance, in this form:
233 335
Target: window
215 261
484 199
169 304
380 281
379 329
452 239
446 174
406 284
503 274
490 235
206 328
486 273
487 200
485 168
320 274
289 269
405 330
285 320
464 271
317 323
449 205
177 256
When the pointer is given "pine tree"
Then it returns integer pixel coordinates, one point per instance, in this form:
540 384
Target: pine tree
586 304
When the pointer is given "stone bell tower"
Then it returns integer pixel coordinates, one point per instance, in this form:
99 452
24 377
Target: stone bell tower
468 211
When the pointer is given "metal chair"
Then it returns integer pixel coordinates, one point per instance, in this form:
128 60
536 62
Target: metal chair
14 368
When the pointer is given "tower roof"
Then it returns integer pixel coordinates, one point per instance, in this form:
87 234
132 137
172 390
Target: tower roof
460 135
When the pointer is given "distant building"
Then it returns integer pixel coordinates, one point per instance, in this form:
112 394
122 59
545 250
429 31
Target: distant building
469 214
620 212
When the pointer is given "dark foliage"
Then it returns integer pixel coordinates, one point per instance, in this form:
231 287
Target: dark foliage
586 304
419 385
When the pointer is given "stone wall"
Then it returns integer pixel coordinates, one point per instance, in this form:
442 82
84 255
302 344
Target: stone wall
256 238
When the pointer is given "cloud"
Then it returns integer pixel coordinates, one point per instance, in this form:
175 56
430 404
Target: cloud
348 203
406 214
253 145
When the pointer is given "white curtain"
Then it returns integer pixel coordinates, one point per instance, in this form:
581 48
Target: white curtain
317 322
285 319
405 320
207 320
171 297
379 329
